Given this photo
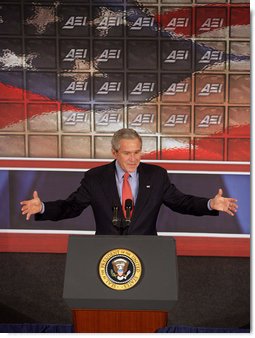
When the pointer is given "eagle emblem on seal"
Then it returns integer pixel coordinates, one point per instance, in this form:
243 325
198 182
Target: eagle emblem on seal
120 267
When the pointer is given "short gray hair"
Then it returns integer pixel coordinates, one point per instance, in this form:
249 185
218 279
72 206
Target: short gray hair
124 133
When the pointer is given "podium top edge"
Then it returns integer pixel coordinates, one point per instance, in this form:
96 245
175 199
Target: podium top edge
124 238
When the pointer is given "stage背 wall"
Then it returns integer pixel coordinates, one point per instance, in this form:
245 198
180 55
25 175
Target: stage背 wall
72 73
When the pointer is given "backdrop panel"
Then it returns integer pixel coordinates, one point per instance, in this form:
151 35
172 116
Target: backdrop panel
73 72
19 185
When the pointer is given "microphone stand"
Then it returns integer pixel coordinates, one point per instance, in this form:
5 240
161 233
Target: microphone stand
115 219
128 208
120 223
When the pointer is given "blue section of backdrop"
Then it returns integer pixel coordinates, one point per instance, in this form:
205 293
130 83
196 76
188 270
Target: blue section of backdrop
239 186
5 199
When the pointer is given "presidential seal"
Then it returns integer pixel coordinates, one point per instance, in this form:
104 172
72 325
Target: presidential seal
120 269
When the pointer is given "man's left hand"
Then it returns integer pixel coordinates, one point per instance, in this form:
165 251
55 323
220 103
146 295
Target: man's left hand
221 203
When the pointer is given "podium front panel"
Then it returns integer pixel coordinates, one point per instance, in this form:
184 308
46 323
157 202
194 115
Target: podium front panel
156 289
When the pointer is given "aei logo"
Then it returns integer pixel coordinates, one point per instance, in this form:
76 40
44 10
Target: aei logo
210 23
177 55
76 86
176 119
141 119
109 54
211 88
142 87
109 21
175 88
177 23
210 120
211 56
75 21
75 118
142 22
108 118
74 54
109 87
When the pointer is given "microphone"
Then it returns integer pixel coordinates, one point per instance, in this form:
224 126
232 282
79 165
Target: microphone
128 208
115 219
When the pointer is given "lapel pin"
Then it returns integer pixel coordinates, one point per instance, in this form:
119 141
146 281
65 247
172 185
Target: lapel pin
148 186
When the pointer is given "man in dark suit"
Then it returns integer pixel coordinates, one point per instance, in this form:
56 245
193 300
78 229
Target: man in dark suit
148 185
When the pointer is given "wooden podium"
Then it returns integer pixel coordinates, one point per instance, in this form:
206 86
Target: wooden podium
118 321
142 308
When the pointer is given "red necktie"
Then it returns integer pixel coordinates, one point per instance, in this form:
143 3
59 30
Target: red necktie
126 192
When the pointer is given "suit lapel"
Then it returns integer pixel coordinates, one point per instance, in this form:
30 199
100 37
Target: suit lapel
143 192
108 182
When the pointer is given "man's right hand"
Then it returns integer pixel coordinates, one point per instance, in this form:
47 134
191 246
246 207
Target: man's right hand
31 207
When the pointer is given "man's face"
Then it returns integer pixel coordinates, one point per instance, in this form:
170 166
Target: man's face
129 154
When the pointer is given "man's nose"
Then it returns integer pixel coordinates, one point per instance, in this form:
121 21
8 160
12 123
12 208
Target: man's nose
132 157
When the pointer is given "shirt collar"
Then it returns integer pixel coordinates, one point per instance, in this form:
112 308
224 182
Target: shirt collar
120 172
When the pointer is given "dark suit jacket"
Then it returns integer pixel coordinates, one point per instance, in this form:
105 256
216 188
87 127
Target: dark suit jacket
98 189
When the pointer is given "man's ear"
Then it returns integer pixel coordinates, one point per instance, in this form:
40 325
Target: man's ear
114 153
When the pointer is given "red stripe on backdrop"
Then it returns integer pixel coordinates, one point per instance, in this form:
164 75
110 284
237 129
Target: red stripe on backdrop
185 246
38 105
240 15
171 166
212 246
